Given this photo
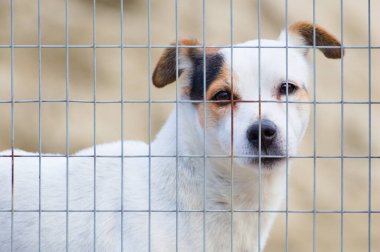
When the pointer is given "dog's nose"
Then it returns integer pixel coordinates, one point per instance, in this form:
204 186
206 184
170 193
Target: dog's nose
268 133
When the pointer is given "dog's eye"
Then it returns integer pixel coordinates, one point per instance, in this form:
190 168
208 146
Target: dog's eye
222 96
291 88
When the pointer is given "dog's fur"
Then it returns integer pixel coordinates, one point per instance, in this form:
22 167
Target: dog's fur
179 182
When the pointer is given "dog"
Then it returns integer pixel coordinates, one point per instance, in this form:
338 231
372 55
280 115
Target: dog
216 172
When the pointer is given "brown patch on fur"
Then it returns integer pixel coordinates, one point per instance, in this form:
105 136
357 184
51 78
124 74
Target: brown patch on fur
215 111
165 71
322 38
214 114
302 96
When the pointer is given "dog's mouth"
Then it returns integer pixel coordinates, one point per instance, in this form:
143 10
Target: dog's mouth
267 162
268 158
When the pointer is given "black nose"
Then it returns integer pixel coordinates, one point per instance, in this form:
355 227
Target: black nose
268 133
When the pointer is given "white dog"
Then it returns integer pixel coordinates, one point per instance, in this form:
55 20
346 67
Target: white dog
177 199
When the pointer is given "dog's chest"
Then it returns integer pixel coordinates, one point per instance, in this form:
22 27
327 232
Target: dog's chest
244 232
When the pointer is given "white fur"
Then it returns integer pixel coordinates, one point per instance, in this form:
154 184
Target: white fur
192 177
272 73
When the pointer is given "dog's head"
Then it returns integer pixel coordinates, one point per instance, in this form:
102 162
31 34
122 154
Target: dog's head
261 108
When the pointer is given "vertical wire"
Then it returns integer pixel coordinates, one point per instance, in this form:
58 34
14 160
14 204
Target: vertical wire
204 121
176 123
369 126
122 120
94 108
39 123
287 131
67 122
12 122
314 130
259 87
232 121
342 128
149 128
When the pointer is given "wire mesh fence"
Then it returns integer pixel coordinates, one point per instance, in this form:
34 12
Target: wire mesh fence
76 74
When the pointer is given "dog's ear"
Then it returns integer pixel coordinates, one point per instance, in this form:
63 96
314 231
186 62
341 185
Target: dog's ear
302 33
165 71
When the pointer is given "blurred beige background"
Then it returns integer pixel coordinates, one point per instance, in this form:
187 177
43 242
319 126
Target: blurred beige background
136 78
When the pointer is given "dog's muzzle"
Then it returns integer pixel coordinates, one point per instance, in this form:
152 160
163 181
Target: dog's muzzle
267 131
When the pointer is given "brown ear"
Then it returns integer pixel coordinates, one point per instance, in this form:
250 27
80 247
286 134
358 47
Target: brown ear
165 71
322 38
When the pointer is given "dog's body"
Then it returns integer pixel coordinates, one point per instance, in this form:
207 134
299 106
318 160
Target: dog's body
177 198
136 197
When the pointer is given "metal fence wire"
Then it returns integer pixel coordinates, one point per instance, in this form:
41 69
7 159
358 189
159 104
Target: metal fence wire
283 236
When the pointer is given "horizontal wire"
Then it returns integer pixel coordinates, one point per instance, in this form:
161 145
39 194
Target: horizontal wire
191 211
185 156
180 101
180 46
